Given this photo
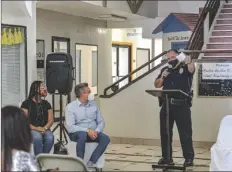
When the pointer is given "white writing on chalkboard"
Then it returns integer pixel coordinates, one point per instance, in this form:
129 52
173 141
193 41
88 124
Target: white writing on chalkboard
215 71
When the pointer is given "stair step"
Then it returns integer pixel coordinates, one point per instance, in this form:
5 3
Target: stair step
224 21
226 10
210 56
223 27
227 5
220 39
218 54
221 33
216 58
225 15
217 46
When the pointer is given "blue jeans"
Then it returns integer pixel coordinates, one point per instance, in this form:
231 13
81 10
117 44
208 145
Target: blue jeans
42 142
82 137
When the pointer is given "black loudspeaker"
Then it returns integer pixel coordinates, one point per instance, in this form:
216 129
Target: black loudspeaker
59 73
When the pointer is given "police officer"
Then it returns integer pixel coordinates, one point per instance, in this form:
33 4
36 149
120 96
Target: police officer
178 75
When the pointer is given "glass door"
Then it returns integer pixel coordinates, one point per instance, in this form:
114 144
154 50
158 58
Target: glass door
121 63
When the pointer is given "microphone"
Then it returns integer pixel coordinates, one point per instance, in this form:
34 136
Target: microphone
170 68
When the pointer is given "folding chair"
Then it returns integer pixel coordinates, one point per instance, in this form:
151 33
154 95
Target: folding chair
89 148
62 162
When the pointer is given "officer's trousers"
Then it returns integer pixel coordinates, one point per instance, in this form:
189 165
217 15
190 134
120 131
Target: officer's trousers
181 114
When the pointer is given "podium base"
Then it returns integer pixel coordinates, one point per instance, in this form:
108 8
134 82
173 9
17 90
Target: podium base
167 167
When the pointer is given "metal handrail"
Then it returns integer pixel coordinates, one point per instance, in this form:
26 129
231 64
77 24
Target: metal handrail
134 71
160 55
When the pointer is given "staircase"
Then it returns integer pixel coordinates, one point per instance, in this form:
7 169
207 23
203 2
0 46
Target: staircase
221 37
219 45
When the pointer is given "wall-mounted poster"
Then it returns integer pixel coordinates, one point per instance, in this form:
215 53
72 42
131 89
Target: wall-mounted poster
40 59
215 79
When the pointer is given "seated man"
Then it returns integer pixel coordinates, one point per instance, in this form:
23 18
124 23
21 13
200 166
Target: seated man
85 123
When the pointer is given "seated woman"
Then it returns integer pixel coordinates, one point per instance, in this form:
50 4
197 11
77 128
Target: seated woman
16 141
41 118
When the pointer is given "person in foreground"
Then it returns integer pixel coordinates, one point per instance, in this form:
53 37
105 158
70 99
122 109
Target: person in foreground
16 141
177 76
85 123
40 116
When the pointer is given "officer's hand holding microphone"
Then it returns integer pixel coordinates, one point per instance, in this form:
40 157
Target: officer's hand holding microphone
165 74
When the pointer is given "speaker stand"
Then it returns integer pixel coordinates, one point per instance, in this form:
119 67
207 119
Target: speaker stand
61 124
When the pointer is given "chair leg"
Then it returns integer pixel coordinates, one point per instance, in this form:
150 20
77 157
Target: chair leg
99 169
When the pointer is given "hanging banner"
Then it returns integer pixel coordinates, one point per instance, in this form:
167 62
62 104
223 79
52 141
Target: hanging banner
12 35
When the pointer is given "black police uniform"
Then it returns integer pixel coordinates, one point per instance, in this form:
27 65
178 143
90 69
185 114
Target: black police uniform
179 78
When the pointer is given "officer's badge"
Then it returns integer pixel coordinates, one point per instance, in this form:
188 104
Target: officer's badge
181 70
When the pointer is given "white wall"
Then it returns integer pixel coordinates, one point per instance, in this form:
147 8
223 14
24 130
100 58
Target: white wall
148 25
98 3
166 7
13 13
79 30
120 35
158 49
141 112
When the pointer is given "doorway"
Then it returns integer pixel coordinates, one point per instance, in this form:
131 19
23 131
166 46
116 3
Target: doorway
121 63
87 65
60 44
142 57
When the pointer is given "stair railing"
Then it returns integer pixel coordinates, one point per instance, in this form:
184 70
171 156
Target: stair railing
133 72
196 41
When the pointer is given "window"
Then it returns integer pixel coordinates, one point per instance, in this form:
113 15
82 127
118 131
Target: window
14 65
87 65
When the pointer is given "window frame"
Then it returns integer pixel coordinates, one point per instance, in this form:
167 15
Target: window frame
25 53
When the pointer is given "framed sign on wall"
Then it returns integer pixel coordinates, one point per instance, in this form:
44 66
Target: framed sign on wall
215 79
40 59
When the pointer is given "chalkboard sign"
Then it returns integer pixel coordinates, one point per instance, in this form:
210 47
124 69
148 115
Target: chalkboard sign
215 79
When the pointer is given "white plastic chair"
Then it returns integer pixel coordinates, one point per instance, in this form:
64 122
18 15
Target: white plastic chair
62 162
221 151
89 148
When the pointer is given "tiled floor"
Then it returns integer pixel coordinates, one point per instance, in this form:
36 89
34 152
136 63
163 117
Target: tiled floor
123 157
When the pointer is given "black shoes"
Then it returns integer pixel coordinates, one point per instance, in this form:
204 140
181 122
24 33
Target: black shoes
188 163
163 161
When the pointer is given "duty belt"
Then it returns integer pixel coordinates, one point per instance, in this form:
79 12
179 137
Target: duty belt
174 101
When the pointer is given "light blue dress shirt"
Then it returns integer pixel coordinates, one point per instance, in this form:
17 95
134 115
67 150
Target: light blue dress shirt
80 117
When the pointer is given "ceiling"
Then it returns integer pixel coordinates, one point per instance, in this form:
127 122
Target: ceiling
84 9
